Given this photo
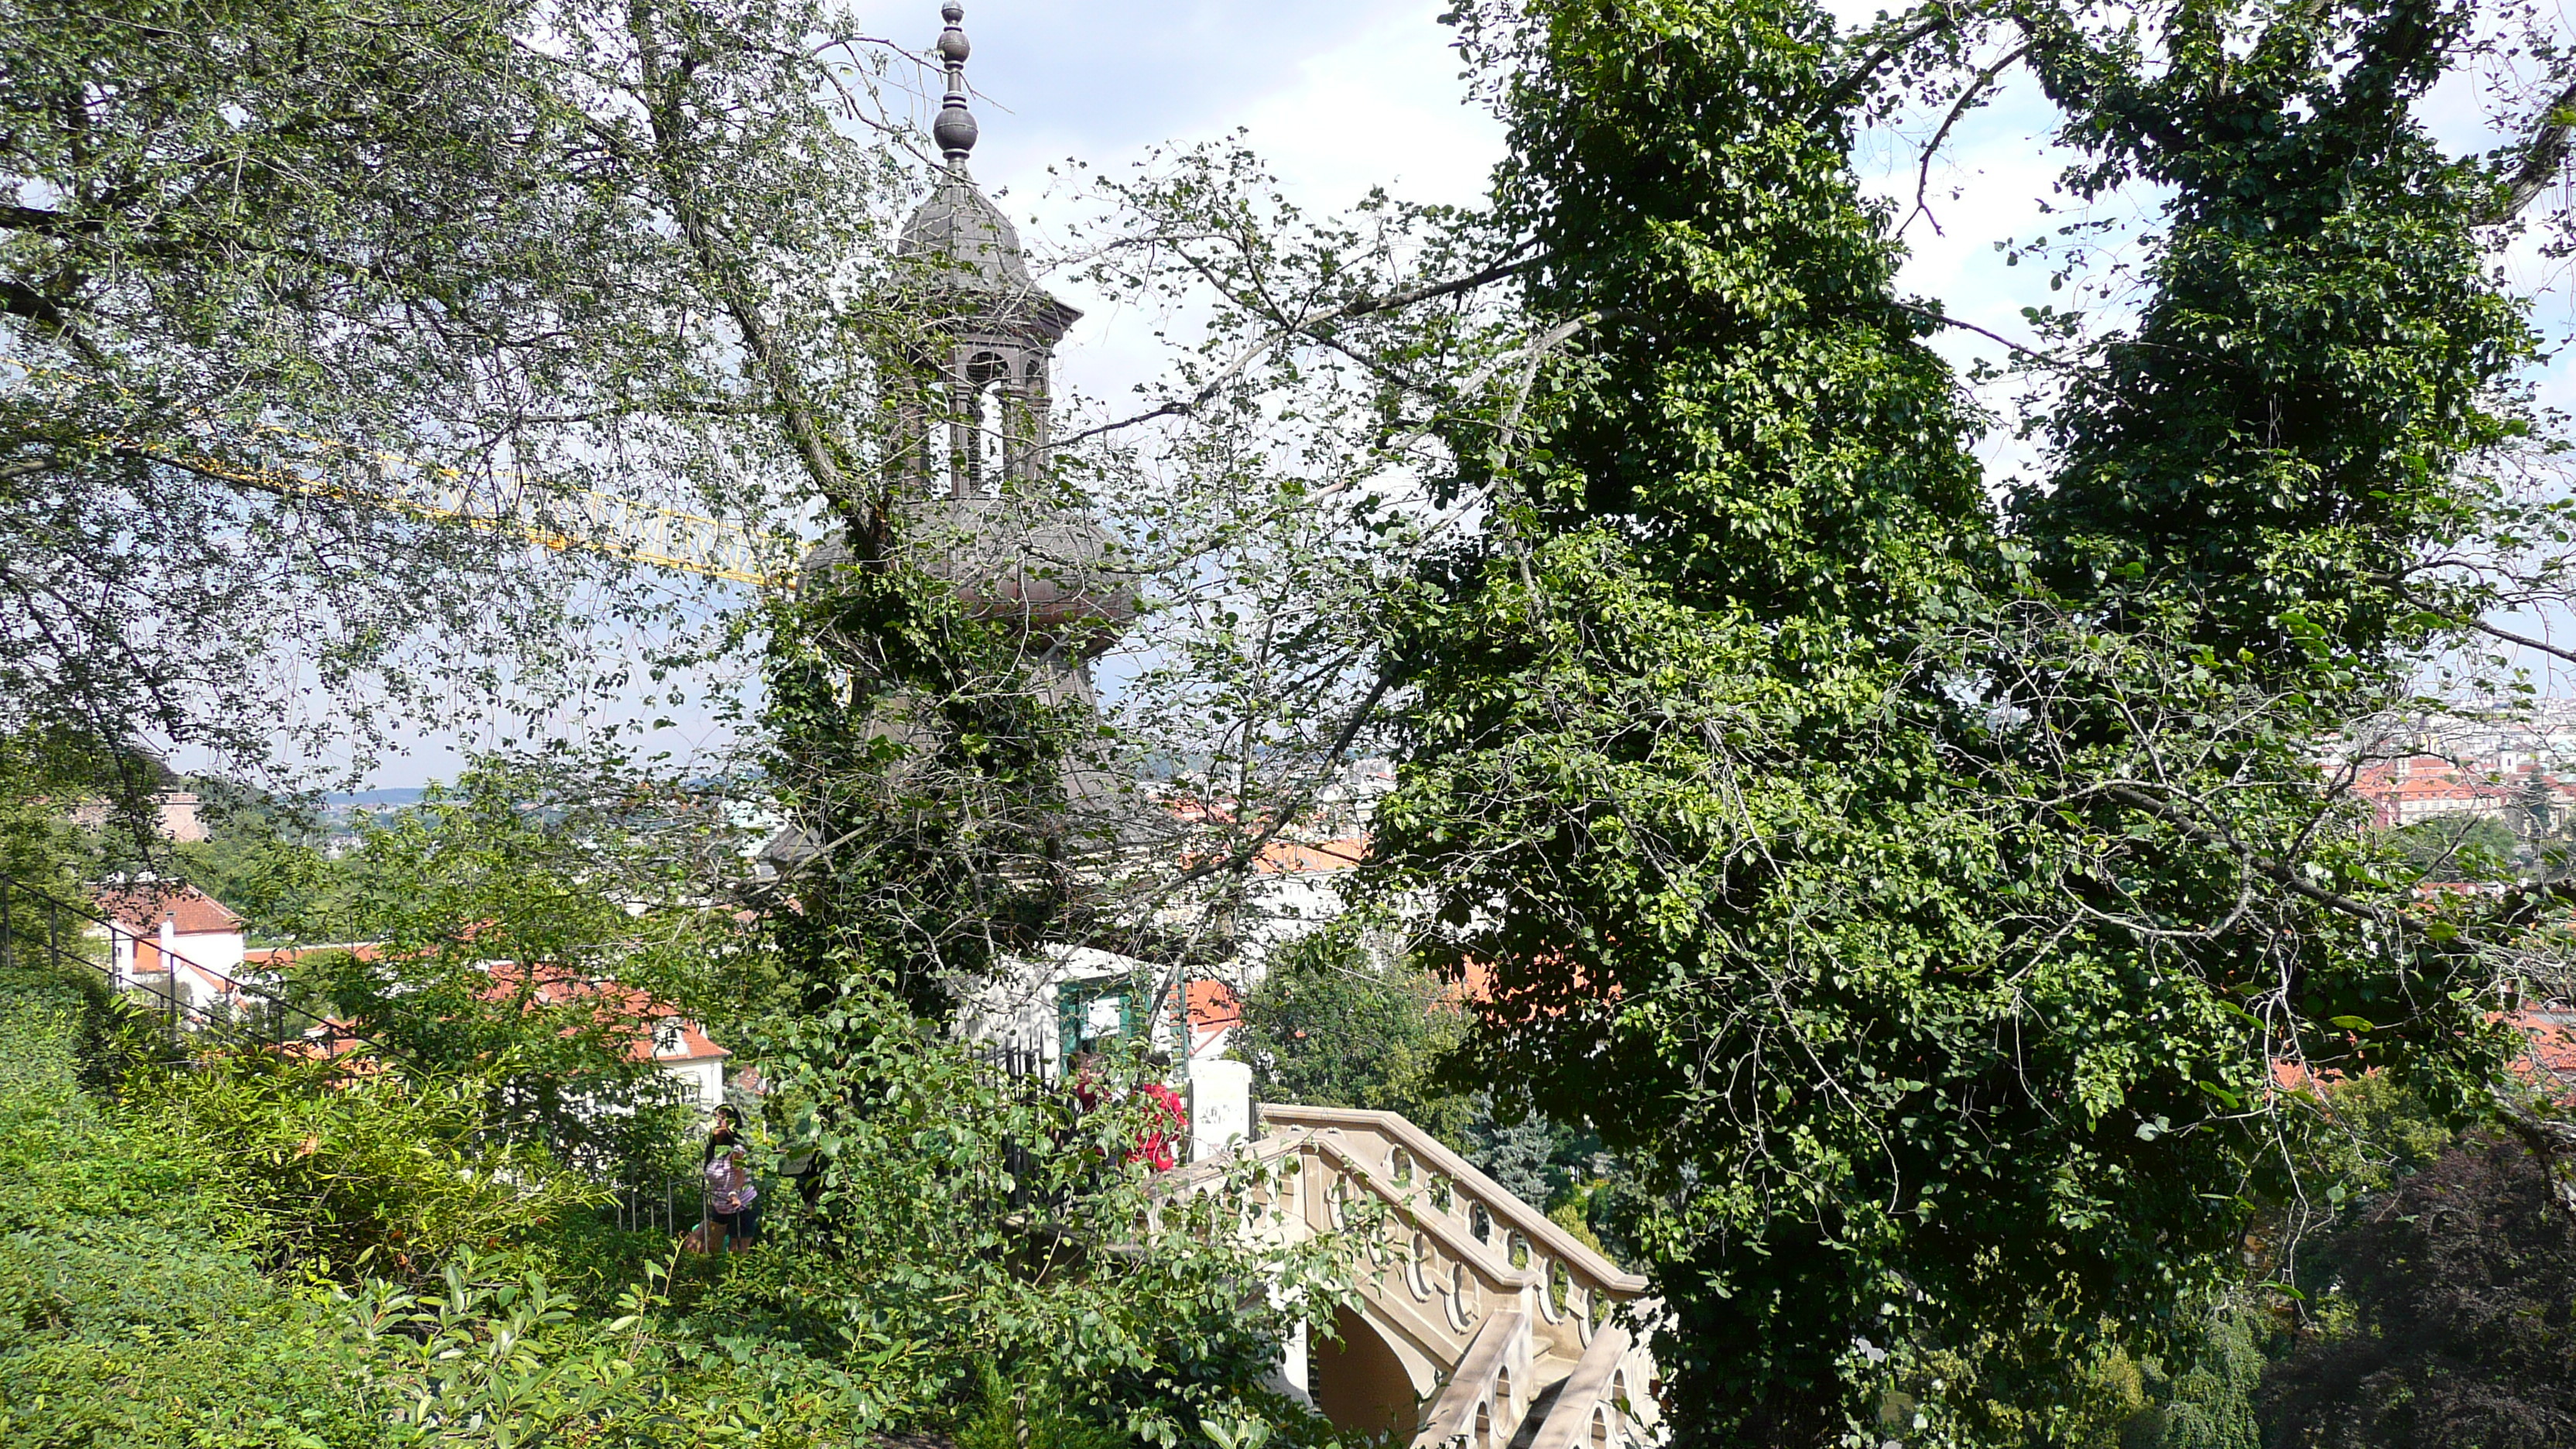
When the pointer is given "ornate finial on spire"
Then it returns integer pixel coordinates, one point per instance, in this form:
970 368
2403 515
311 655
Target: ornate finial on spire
955 129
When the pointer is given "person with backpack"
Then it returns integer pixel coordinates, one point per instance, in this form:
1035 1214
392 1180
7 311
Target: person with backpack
733 1199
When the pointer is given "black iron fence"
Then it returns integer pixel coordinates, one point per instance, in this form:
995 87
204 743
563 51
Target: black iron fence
231 1011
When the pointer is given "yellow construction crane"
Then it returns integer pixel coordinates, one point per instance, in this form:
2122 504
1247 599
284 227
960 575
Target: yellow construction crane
579 518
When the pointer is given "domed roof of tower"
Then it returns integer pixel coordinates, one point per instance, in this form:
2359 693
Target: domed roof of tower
1009 561
959 232
961 226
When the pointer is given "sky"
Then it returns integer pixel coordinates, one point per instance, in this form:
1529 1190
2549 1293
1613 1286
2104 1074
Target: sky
1341 95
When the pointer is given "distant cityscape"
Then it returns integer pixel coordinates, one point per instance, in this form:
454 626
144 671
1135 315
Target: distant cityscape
2517 770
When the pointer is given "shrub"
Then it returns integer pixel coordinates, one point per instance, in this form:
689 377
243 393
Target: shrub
2453 1319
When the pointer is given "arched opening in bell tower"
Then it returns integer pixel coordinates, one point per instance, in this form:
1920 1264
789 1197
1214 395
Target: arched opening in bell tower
989 423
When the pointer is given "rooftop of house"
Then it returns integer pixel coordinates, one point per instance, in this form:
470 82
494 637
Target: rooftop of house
662 1034
289 955
1297 857
141 906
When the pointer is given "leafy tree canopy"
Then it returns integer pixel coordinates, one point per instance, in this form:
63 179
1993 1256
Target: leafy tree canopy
2449 1314
1920 887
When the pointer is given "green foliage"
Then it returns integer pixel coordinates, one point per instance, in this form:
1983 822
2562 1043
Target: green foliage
1028 1415
2458 848
1916 902
130 1310
525 927
2445 1311
2297 412
2211 1404
263 858
958 1221
364 1172
279 145
901 722
1333 1024
479 1303
41 771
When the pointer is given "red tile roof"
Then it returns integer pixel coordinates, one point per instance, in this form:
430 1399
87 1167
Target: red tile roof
653 1020
289 955
2551 1062
1213 1004
142 908
1295 857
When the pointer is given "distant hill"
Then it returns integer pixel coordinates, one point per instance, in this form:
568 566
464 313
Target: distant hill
377 799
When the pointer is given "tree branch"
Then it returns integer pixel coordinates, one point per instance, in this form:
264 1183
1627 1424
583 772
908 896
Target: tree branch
1511 264
1239 858
2542 156
1946 320
1932 148
1942 18
2279 873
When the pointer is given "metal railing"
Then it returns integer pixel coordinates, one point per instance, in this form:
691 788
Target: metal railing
244 1015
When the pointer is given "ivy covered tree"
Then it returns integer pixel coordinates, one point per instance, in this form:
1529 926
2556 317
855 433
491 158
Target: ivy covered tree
1921 888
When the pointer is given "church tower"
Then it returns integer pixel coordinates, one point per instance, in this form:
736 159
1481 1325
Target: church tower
969 414
983 420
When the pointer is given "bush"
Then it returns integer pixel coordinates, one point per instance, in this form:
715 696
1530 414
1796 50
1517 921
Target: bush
2452 1320
351 1173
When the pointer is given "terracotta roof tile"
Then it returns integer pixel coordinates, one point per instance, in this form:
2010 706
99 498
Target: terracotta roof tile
143 907
1294 857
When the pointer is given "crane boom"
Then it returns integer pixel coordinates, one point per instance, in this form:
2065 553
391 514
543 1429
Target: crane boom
567 519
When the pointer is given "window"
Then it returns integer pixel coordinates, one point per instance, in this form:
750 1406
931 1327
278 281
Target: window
1089 1013
992 443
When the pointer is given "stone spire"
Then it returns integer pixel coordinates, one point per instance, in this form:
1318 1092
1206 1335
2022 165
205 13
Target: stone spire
955 129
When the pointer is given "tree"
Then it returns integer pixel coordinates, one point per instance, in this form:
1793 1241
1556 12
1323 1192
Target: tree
1333 1024
249 245
2458 847
1919 893
2447 1314
528 931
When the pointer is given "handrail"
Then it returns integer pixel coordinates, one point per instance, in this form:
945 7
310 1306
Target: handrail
1430 1150
1471 1386
181 1012
1586 1393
